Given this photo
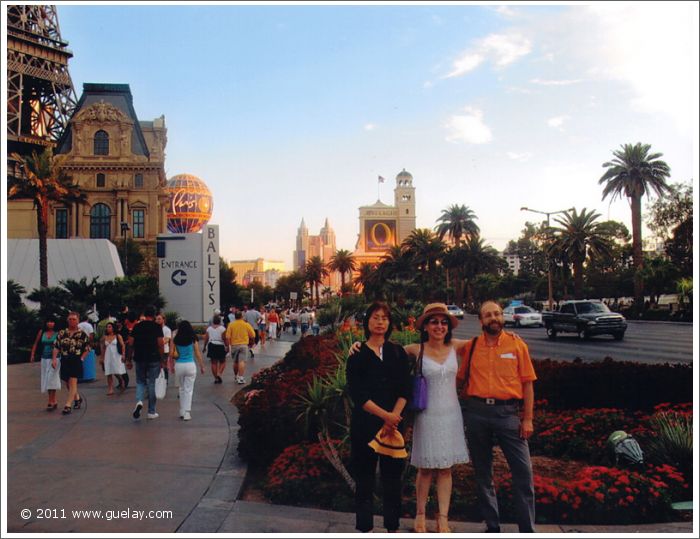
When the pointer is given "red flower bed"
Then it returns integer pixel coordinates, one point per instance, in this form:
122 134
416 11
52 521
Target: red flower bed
301 473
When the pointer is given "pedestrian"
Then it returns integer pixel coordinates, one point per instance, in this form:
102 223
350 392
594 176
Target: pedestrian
253 318
73 346
315 326
262 326
438 431
294 320
167 336
495 382
50 376
147 342
239 334
216 346
273 320
305 321
183 353
379 384
112 347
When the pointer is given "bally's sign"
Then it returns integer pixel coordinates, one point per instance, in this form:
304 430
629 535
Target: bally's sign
210 258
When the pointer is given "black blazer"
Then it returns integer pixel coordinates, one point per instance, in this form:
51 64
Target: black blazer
381 381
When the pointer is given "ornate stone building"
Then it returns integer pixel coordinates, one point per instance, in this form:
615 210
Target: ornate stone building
118 161
383 226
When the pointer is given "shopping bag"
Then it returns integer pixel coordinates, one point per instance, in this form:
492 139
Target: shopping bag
161 385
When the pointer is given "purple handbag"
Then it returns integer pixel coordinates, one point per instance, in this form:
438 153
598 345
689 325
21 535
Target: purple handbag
420 386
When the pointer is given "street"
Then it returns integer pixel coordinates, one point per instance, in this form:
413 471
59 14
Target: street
644 342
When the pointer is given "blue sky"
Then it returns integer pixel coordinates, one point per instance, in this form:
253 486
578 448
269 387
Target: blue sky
293 111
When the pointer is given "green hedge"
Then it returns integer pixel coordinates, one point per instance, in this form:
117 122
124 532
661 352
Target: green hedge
612 384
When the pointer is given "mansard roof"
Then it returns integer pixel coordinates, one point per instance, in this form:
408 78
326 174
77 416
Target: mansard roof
118 95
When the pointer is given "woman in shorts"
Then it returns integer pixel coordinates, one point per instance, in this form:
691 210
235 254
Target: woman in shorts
215 344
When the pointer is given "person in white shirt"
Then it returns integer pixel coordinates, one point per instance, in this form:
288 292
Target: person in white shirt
167 335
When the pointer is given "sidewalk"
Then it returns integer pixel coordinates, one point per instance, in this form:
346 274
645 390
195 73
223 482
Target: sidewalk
99 458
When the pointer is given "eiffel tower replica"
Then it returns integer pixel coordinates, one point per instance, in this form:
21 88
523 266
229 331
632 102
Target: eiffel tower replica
40 93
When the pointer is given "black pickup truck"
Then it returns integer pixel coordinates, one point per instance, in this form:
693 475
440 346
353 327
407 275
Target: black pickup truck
585 317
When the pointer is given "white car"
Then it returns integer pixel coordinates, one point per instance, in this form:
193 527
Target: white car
454 310
522 315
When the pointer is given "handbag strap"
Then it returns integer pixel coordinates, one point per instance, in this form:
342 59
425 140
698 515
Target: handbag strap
419 361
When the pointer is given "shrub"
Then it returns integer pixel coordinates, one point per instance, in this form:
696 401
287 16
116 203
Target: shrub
612 384
672 439
301 474
268 406
582 433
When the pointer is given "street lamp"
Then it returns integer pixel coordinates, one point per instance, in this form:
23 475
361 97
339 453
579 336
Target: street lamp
549 264
125 228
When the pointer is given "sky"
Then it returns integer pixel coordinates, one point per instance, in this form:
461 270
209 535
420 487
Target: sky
293 111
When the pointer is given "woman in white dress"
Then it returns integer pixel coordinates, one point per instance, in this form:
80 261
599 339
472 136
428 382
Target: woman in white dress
112 352
438 431
50 377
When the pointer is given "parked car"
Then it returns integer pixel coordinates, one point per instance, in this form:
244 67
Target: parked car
585 317
454 310
522 315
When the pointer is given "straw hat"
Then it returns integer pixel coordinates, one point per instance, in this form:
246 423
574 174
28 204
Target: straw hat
391 445
436 308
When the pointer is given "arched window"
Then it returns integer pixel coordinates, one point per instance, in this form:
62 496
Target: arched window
101 143
99 221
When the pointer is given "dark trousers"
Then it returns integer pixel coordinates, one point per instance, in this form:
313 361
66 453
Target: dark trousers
364 466
484 424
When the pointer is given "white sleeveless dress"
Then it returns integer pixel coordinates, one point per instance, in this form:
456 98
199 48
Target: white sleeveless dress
438 431
113 359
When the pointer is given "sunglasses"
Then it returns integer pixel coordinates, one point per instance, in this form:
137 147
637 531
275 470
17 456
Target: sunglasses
440 321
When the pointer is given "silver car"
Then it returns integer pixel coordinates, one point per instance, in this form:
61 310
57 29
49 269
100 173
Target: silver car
454 310
522 315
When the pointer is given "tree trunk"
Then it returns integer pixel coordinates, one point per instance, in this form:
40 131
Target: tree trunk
637 256
42 221
578 280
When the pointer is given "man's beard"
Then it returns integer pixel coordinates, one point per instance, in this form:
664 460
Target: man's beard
488 328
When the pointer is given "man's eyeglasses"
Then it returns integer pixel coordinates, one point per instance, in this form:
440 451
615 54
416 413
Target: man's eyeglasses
440 321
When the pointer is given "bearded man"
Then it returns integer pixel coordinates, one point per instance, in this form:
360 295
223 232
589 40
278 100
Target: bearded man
495 379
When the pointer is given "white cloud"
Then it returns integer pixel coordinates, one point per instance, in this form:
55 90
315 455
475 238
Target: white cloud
521 157
500 49
505 11
370 127
558 121
653 47
428 84
563 82
468 127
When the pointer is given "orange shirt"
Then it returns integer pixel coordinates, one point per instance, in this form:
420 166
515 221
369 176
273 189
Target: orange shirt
498 371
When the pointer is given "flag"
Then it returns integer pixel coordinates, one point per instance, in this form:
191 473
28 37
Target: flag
381 179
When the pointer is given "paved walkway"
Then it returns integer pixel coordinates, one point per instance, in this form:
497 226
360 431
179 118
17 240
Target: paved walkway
99 458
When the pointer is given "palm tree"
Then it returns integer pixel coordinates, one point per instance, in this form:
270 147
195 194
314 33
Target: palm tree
475 258
581 238
315 271
343 262
368 279
425 249
633 173
457 222
44 182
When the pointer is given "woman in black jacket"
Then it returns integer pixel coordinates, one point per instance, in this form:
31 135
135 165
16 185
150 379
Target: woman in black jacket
379 382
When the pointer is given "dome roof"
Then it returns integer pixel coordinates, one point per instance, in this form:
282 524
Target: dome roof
404 174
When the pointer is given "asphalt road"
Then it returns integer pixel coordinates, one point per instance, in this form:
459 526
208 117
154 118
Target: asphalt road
644 342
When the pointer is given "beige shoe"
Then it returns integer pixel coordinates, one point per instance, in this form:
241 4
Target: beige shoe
419 524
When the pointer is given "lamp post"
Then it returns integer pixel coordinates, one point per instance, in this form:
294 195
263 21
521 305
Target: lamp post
125 228
550 292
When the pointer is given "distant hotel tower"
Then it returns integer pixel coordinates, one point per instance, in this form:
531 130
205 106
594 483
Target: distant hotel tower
322 246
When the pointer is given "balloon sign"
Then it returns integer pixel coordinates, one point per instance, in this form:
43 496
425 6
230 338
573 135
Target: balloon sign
190 204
